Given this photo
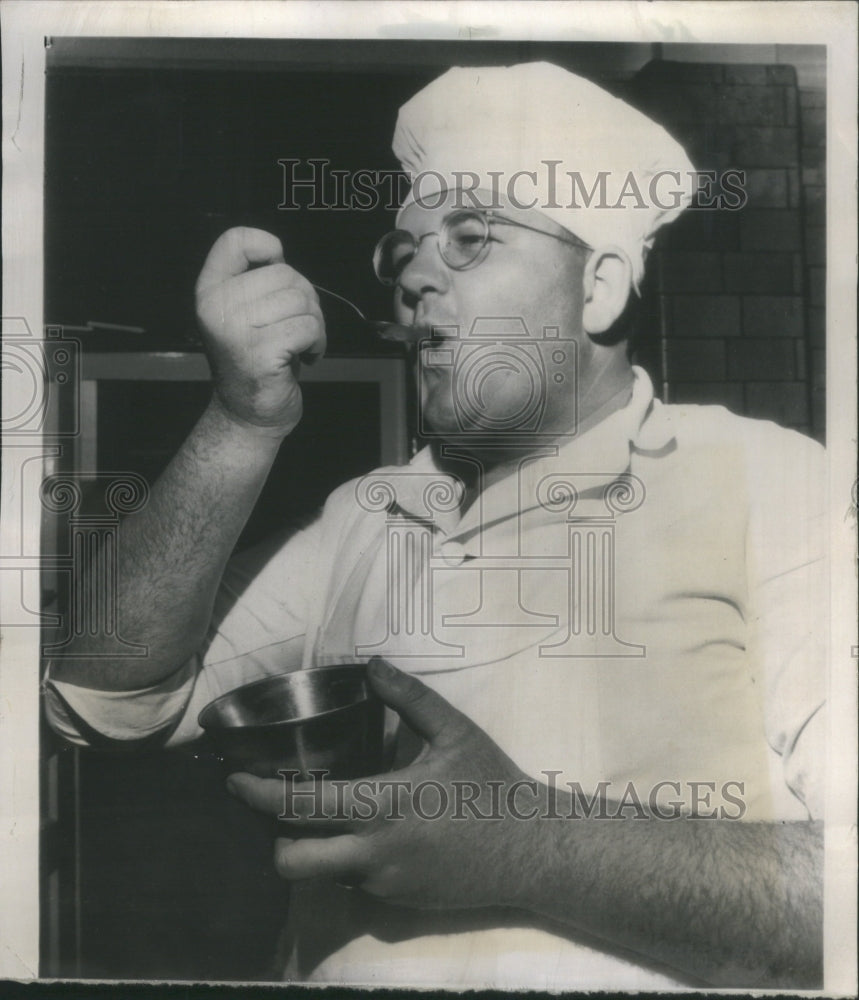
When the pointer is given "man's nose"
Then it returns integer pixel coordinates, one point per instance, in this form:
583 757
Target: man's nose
426 272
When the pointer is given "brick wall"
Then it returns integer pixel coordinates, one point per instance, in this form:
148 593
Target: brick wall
812 123
735 298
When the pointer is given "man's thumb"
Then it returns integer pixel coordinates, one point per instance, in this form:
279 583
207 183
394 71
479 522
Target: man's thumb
426 712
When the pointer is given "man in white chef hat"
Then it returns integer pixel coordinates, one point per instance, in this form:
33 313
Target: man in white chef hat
656 806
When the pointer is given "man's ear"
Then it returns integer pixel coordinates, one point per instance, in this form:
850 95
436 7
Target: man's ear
607 283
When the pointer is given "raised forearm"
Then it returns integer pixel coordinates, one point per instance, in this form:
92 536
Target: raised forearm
171 555
729 903
258 317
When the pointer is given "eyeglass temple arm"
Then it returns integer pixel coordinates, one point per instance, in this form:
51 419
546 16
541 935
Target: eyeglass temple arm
572 240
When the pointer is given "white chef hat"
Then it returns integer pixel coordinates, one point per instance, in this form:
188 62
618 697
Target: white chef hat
556 142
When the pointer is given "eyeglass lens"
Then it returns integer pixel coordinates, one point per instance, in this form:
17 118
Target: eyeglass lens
462 238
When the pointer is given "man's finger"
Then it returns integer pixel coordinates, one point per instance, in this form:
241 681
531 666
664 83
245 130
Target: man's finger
270 278
237 250
428 713
300 336
263 794
283 303
343 857
261 281
306 803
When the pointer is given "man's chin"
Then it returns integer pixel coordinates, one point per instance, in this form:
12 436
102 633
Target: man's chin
441 422
486 446
449 433
438 417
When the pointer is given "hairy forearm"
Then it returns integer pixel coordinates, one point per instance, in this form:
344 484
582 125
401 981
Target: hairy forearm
726 902
171 555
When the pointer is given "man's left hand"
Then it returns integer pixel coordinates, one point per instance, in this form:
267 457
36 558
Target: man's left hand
381 834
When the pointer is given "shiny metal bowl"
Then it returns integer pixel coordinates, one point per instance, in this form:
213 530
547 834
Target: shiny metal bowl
326 719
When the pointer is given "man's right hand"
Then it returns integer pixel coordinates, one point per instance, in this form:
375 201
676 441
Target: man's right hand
259 318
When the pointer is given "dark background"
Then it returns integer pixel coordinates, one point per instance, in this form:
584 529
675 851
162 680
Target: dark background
154 147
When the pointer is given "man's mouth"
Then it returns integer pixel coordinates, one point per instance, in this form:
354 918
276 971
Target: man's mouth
437 334
413 334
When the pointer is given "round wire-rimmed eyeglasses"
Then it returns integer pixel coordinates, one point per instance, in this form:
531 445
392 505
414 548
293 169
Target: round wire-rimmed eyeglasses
464 239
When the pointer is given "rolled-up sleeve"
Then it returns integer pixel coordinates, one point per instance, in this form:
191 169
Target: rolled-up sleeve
83 716
258 628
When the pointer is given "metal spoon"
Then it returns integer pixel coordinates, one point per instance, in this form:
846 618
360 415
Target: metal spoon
396 332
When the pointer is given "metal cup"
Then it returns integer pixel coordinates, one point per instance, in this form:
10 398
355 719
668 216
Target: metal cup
324 719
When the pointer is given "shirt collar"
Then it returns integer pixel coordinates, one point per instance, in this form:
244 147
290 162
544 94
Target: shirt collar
599 455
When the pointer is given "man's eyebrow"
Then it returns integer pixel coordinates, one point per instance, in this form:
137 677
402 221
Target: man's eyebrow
415 231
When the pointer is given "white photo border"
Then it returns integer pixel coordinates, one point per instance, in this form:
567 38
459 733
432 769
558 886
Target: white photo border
26 25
